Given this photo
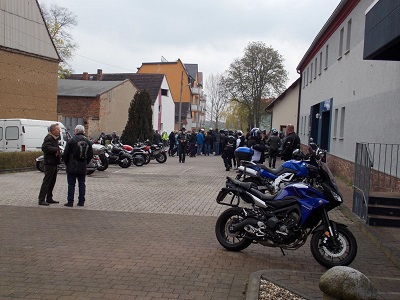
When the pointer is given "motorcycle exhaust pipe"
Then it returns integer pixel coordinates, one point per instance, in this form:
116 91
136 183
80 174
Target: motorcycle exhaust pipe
240 226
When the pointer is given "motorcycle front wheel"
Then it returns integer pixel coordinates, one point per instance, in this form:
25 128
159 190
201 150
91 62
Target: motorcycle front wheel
104 163
162 158
229 239
40 165
330 254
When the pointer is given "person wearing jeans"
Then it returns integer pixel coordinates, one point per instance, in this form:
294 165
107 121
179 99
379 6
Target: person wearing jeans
76 166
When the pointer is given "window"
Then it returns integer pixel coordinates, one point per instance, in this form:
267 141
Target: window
335 123
348 37
304 79
342 117
315 73
164 92
12 133
320 63
311 69
308 71
326 56
341 43
1 133
301 125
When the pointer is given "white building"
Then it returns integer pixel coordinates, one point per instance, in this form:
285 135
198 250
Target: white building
345 99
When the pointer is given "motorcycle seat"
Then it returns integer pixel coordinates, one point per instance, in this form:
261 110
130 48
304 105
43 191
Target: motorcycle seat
244 185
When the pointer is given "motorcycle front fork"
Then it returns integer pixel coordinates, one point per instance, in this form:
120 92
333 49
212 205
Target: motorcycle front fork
330 227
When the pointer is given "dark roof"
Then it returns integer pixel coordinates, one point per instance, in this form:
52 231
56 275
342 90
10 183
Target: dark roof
149 82
85 88
192 70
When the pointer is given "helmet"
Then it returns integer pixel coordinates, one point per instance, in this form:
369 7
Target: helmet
274 131
230 132
240 133
256 132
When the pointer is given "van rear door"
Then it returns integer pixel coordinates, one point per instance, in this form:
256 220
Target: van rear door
12 135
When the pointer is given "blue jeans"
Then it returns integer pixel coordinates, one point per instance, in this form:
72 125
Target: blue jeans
199 148
216 148
71 179
207 149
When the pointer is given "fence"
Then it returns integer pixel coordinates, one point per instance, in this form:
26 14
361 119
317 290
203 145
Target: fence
376 169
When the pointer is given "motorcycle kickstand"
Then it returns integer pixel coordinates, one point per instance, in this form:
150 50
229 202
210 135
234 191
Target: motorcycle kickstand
282 252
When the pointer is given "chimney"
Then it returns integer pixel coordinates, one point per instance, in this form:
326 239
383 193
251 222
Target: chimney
85 76
99 74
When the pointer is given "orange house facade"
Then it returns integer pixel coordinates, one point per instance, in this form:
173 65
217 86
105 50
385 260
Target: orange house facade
185 91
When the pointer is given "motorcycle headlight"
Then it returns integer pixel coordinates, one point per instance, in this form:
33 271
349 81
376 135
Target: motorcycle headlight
337 197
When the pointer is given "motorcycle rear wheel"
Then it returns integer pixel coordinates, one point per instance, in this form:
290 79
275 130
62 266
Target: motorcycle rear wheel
232 241
138 160
125 162
162 158
40 165
327 255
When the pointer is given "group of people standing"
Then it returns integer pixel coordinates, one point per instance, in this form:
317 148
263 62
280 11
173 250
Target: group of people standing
224 143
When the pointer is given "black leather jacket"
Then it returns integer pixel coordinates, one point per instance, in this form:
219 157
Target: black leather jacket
74 166
50 149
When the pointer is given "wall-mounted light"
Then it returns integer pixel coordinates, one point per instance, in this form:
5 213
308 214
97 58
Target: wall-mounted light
317 115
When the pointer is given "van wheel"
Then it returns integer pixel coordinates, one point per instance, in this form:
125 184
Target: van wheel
40 165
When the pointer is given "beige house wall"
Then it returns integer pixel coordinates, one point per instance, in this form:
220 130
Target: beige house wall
28 86
114 108
285 110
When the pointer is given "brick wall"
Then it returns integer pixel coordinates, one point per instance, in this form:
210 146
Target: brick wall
28 87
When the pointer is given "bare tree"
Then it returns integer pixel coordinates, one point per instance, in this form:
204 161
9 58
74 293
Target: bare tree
217 98
59 21
258 74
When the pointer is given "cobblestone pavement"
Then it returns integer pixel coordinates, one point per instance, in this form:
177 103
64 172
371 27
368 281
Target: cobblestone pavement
147 233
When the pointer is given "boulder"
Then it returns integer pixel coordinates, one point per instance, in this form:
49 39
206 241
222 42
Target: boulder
347 283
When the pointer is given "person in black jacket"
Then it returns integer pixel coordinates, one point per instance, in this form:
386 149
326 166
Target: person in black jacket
52 158
273 142
183 139
172 144
228 150
291 143
78 153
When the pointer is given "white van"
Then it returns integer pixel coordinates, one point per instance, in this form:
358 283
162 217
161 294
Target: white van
26 134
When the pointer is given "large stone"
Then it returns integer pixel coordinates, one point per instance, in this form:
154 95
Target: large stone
347 283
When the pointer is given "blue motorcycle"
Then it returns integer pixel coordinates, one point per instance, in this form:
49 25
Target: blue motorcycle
304 169
286 219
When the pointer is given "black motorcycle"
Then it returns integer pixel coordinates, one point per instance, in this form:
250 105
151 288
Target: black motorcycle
286 219
118 155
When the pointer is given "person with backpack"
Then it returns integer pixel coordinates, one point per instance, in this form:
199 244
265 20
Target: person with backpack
77 154
228 149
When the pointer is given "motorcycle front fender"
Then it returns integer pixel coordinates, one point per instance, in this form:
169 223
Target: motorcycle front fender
40 158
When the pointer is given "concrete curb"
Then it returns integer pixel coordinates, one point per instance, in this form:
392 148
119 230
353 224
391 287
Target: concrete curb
253 288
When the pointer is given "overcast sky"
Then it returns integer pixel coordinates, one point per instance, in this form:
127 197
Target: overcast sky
117 36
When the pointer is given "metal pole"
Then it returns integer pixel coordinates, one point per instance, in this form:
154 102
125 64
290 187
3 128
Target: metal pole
180 105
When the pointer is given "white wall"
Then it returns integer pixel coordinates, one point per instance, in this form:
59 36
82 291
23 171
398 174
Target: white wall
168 110
369 91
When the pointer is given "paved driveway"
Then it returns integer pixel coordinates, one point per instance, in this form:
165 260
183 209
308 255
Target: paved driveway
145 233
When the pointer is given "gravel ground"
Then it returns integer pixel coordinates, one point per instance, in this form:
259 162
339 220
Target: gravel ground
271 291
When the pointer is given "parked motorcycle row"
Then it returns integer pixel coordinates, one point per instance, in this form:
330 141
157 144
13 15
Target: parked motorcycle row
117 153
283 207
